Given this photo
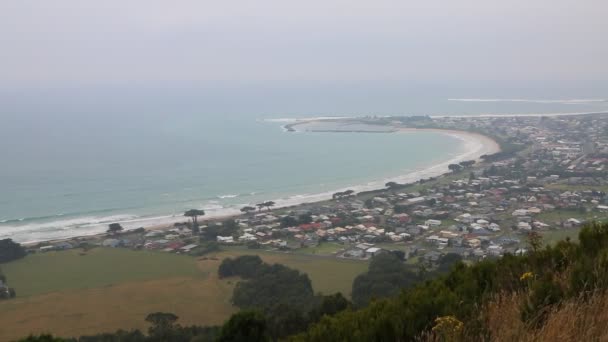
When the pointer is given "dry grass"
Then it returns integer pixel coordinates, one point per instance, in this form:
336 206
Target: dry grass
576 320
87 303
200 300
573 320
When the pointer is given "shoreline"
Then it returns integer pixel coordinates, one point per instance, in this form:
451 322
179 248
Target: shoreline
474 146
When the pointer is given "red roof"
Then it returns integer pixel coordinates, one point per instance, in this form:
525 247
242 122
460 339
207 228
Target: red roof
310 226
175 245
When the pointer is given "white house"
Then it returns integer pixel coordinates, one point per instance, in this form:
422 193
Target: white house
494 227
225 239
524 226
432 223
373 251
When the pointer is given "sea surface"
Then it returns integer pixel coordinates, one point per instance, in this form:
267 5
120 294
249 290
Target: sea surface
74 160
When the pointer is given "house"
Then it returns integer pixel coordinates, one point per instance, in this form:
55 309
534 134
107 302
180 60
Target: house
373 251
247 237
524 226
224 239
111 243
474 243
188 248
47 248
432 223
354 253
520 212
465 218
494 227
495 250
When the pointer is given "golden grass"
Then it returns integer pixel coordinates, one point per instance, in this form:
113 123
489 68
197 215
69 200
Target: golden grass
570 321
122 300
198 300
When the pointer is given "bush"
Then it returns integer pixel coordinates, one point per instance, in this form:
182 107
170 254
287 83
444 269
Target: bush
10 250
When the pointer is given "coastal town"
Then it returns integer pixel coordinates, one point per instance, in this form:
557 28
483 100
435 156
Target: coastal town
549 178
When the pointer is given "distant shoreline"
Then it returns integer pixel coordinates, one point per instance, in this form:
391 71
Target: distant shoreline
517 115
475 145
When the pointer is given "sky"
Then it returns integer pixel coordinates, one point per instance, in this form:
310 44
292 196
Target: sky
79 42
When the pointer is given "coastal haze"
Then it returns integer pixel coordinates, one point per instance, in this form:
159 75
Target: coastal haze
135 111
271 170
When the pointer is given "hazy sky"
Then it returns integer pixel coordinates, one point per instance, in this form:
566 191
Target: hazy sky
121 41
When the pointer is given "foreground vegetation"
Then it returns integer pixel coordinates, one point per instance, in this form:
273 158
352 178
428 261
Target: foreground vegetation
518 298
557 292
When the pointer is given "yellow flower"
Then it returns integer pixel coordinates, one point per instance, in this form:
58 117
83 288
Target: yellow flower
449 327
526 276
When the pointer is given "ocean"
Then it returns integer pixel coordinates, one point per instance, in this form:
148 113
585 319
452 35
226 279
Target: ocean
75 160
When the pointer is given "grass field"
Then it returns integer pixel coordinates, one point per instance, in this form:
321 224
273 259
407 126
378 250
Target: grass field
324 248
553 236
70 294
70 270
570 187
563 215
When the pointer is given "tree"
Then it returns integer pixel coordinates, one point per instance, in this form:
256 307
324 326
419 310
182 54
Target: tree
245 326
114 228
247 209
392 185
194 214
288 221
162 323
10 250
386 276
454 167
245 266
269 204
343 194
467 163
329 305
305 218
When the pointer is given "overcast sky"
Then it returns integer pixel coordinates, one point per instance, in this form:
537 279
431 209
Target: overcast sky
49 42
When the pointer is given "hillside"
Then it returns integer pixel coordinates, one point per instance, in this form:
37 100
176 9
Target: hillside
553 293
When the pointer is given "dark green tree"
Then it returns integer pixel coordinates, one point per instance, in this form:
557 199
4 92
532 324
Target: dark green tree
194 214
10 250
269 204
245 326
162 323
386 276
115 228
247 209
